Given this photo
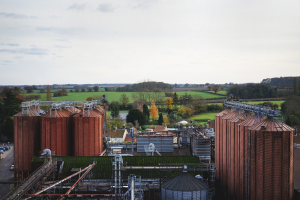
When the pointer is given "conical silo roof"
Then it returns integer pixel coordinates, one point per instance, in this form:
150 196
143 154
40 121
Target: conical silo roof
184 182
271 124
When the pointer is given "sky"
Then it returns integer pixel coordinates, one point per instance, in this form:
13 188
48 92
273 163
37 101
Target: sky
130 41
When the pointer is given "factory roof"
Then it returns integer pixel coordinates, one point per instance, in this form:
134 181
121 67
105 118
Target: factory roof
119 133
184 182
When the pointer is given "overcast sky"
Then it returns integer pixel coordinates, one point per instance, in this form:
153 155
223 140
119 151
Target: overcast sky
128 41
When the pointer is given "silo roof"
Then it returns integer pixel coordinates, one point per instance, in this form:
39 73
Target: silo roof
184 182
59 113
223 112
271 124
31 113
92 113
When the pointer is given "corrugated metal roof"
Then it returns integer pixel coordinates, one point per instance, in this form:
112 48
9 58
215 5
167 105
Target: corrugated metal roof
271 124
230 115
240 118
93 113
184 182
31 113
223 112
59 113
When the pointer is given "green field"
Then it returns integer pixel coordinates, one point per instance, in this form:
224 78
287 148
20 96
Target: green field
223 92
277 102
114 96
205 116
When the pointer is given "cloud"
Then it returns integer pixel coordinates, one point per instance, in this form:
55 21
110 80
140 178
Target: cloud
10 44
105 8
59 30
16 16
30 51
58 46
77 7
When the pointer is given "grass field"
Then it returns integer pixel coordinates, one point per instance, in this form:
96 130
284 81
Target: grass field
204 116
223 92
257 102
113 96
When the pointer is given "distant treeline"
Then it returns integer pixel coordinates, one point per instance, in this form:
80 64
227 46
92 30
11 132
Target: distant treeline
282 82
253 91
145 86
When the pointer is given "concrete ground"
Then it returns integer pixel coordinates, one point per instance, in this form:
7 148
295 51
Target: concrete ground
5 173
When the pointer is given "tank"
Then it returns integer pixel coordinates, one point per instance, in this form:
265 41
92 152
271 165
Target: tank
242 150
26 141
55 132
233 151
88 133
270 161
184 186
224 139
218 143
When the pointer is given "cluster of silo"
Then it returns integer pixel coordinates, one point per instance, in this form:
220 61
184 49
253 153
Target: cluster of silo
253 156
64 130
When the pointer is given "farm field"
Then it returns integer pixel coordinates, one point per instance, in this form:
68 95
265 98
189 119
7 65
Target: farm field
114 96
223 92
277 102
205 116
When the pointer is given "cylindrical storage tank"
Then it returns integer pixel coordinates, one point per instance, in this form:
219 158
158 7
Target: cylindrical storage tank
224 140
26 141
218 141
242 159
271 160
184 186
55 131
233 152
88 132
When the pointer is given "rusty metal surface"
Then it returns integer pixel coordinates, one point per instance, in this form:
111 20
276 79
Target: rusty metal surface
297 169
55 132
26 140
270 160
88 133
218 141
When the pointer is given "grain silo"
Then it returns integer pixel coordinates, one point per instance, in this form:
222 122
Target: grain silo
56 131
218 141
88 132
26 140
233 151
242 150
270 161
184 186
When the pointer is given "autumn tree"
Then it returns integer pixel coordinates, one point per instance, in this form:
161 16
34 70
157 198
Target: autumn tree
153 110
169 103
216 88
89 99
138 104
209 87
48 97
166 120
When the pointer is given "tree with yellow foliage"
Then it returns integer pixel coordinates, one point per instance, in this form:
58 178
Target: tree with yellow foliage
166 120
153 110
169 103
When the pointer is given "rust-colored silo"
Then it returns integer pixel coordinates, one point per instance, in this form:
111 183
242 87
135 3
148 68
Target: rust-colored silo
233 151
242 150
55 131
218 141
224 139
270 160
88 132
26 141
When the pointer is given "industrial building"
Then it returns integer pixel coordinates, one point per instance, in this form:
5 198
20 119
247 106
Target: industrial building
254 153
249 156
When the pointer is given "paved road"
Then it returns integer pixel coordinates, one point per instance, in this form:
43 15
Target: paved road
5 173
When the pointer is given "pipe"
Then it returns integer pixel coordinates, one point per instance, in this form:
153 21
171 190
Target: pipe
115 176
119 177
132 188
87 171
151 167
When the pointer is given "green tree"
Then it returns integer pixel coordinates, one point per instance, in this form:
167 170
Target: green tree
295 86
146 112
124 100
160 119
90 89
175 99
96 88
48 97
114 107
134 115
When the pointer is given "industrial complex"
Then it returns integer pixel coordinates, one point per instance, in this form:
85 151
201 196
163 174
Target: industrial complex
62 152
